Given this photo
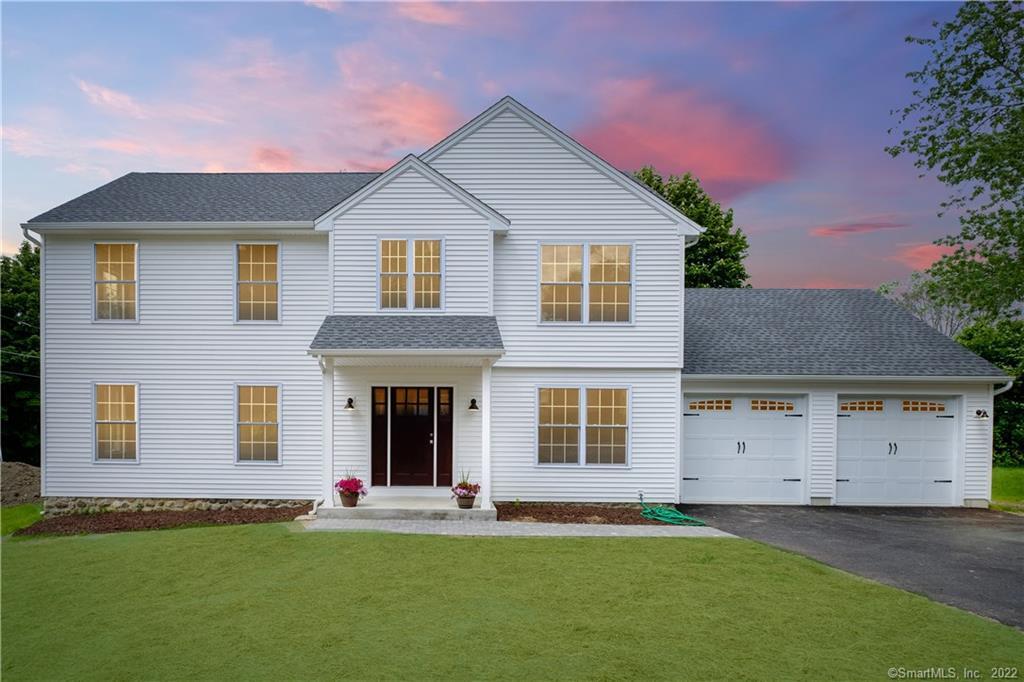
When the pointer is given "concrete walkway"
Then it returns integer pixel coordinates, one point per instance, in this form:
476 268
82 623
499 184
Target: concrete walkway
513 528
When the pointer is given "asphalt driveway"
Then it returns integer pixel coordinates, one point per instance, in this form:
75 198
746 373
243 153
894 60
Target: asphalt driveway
969 558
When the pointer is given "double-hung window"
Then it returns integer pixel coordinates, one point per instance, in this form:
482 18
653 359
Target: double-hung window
116 282
117 422
258 424
586 283
600 430
257 282
421 258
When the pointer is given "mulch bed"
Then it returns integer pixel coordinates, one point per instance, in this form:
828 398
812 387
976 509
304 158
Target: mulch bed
20 483
117 522
548 512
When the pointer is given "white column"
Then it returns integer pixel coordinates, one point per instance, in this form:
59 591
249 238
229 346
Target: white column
327 471
485 437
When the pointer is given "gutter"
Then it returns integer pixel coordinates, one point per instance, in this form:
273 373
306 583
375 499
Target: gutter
24 231
845 378
1003 389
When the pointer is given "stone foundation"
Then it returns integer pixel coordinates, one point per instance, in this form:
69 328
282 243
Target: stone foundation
60 506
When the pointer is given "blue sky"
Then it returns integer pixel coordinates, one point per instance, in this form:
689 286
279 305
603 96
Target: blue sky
780 109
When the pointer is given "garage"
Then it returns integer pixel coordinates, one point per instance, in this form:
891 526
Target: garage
896 450
744 449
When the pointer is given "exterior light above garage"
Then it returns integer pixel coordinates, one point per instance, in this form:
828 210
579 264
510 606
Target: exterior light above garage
981 414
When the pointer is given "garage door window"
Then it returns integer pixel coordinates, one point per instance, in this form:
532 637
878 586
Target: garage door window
716 405
862 406
923 406
759 405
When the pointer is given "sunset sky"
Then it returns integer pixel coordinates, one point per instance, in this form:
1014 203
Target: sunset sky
780 109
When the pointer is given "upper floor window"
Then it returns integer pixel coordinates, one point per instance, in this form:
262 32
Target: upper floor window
117 421
257 282
597 278
422 258
116 282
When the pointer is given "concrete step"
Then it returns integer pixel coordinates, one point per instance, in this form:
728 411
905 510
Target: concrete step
408 513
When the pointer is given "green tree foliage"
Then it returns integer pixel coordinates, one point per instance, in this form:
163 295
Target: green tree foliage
1002 344
19 355
716 261
966 124
930 301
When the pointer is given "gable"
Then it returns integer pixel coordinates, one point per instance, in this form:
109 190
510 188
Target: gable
509 138
412 184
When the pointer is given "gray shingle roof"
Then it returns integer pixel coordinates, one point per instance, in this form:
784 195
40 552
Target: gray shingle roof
408 332
846 332
229 197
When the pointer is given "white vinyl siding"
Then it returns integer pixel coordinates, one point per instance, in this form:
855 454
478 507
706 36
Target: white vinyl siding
551 195
977 444
653 437
187 355
822 407
411 207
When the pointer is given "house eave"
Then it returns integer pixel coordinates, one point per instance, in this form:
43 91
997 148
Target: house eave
424 352
852 378
171 226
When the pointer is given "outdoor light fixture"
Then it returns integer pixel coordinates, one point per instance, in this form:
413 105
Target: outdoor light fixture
981 414
472 405
350 404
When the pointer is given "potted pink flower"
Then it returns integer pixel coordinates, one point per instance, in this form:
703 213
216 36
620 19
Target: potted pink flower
351 490
465 492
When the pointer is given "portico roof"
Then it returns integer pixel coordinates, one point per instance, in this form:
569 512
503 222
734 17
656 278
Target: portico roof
408 334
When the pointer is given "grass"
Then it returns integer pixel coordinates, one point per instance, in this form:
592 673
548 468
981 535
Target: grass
267 602
1008 484
19 516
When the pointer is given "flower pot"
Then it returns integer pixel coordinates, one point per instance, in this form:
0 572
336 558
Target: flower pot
349 500
465 502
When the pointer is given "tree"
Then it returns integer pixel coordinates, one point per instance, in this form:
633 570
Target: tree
966 124
928 300
19 355
716 260
1002 344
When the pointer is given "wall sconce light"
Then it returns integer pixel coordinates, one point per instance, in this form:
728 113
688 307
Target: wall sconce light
473 407
350 404
981 414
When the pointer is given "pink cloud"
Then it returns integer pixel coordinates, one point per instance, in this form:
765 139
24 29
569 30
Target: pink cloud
274 159
434 13
920 256
841 230
831 283
333 6
112 100
642 122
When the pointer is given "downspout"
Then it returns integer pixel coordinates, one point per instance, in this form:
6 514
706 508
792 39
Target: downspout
1003 389
24 231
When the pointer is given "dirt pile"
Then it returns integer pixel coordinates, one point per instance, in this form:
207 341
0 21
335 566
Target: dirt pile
19 483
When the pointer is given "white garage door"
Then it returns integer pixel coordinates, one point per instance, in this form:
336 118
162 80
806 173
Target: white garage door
895 451
744 449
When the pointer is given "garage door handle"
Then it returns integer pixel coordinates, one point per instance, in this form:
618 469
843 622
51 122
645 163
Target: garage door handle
943 480
890 448
691 478
737 447
790 479
895 448
744 447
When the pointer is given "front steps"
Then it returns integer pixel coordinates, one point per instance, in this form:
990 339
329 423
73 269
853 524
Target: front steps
412 508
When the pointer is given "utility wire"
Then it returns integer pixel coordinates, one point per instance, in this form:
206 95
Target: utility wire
19 374
21 322
24 355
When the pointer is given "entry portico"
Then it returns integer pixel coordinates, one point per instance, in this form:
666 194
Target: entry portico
407 401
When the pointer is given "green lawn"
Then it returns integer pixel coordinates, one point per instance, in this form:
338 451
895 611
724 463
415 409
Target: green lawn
267 602
1008 484
19 516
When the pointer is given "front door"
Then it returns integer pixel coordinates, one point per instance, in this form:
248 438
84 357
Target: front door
412 436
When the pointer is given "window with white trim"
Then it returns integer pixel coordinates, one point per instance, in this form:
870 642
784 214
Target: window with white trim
117 422
399 258
116 281
257 282
607 428
600 430
596 278
258 427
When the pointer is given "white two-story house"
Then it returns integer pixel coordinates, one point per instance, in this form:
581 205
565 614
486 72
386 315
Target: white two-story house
505 304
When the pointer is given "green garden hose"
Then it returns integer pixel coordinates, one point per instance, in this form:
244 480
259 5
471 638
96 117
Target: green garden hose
667 515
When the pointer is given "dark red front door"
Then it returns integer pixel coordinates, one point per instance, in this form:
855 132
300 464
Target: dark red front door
412 436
